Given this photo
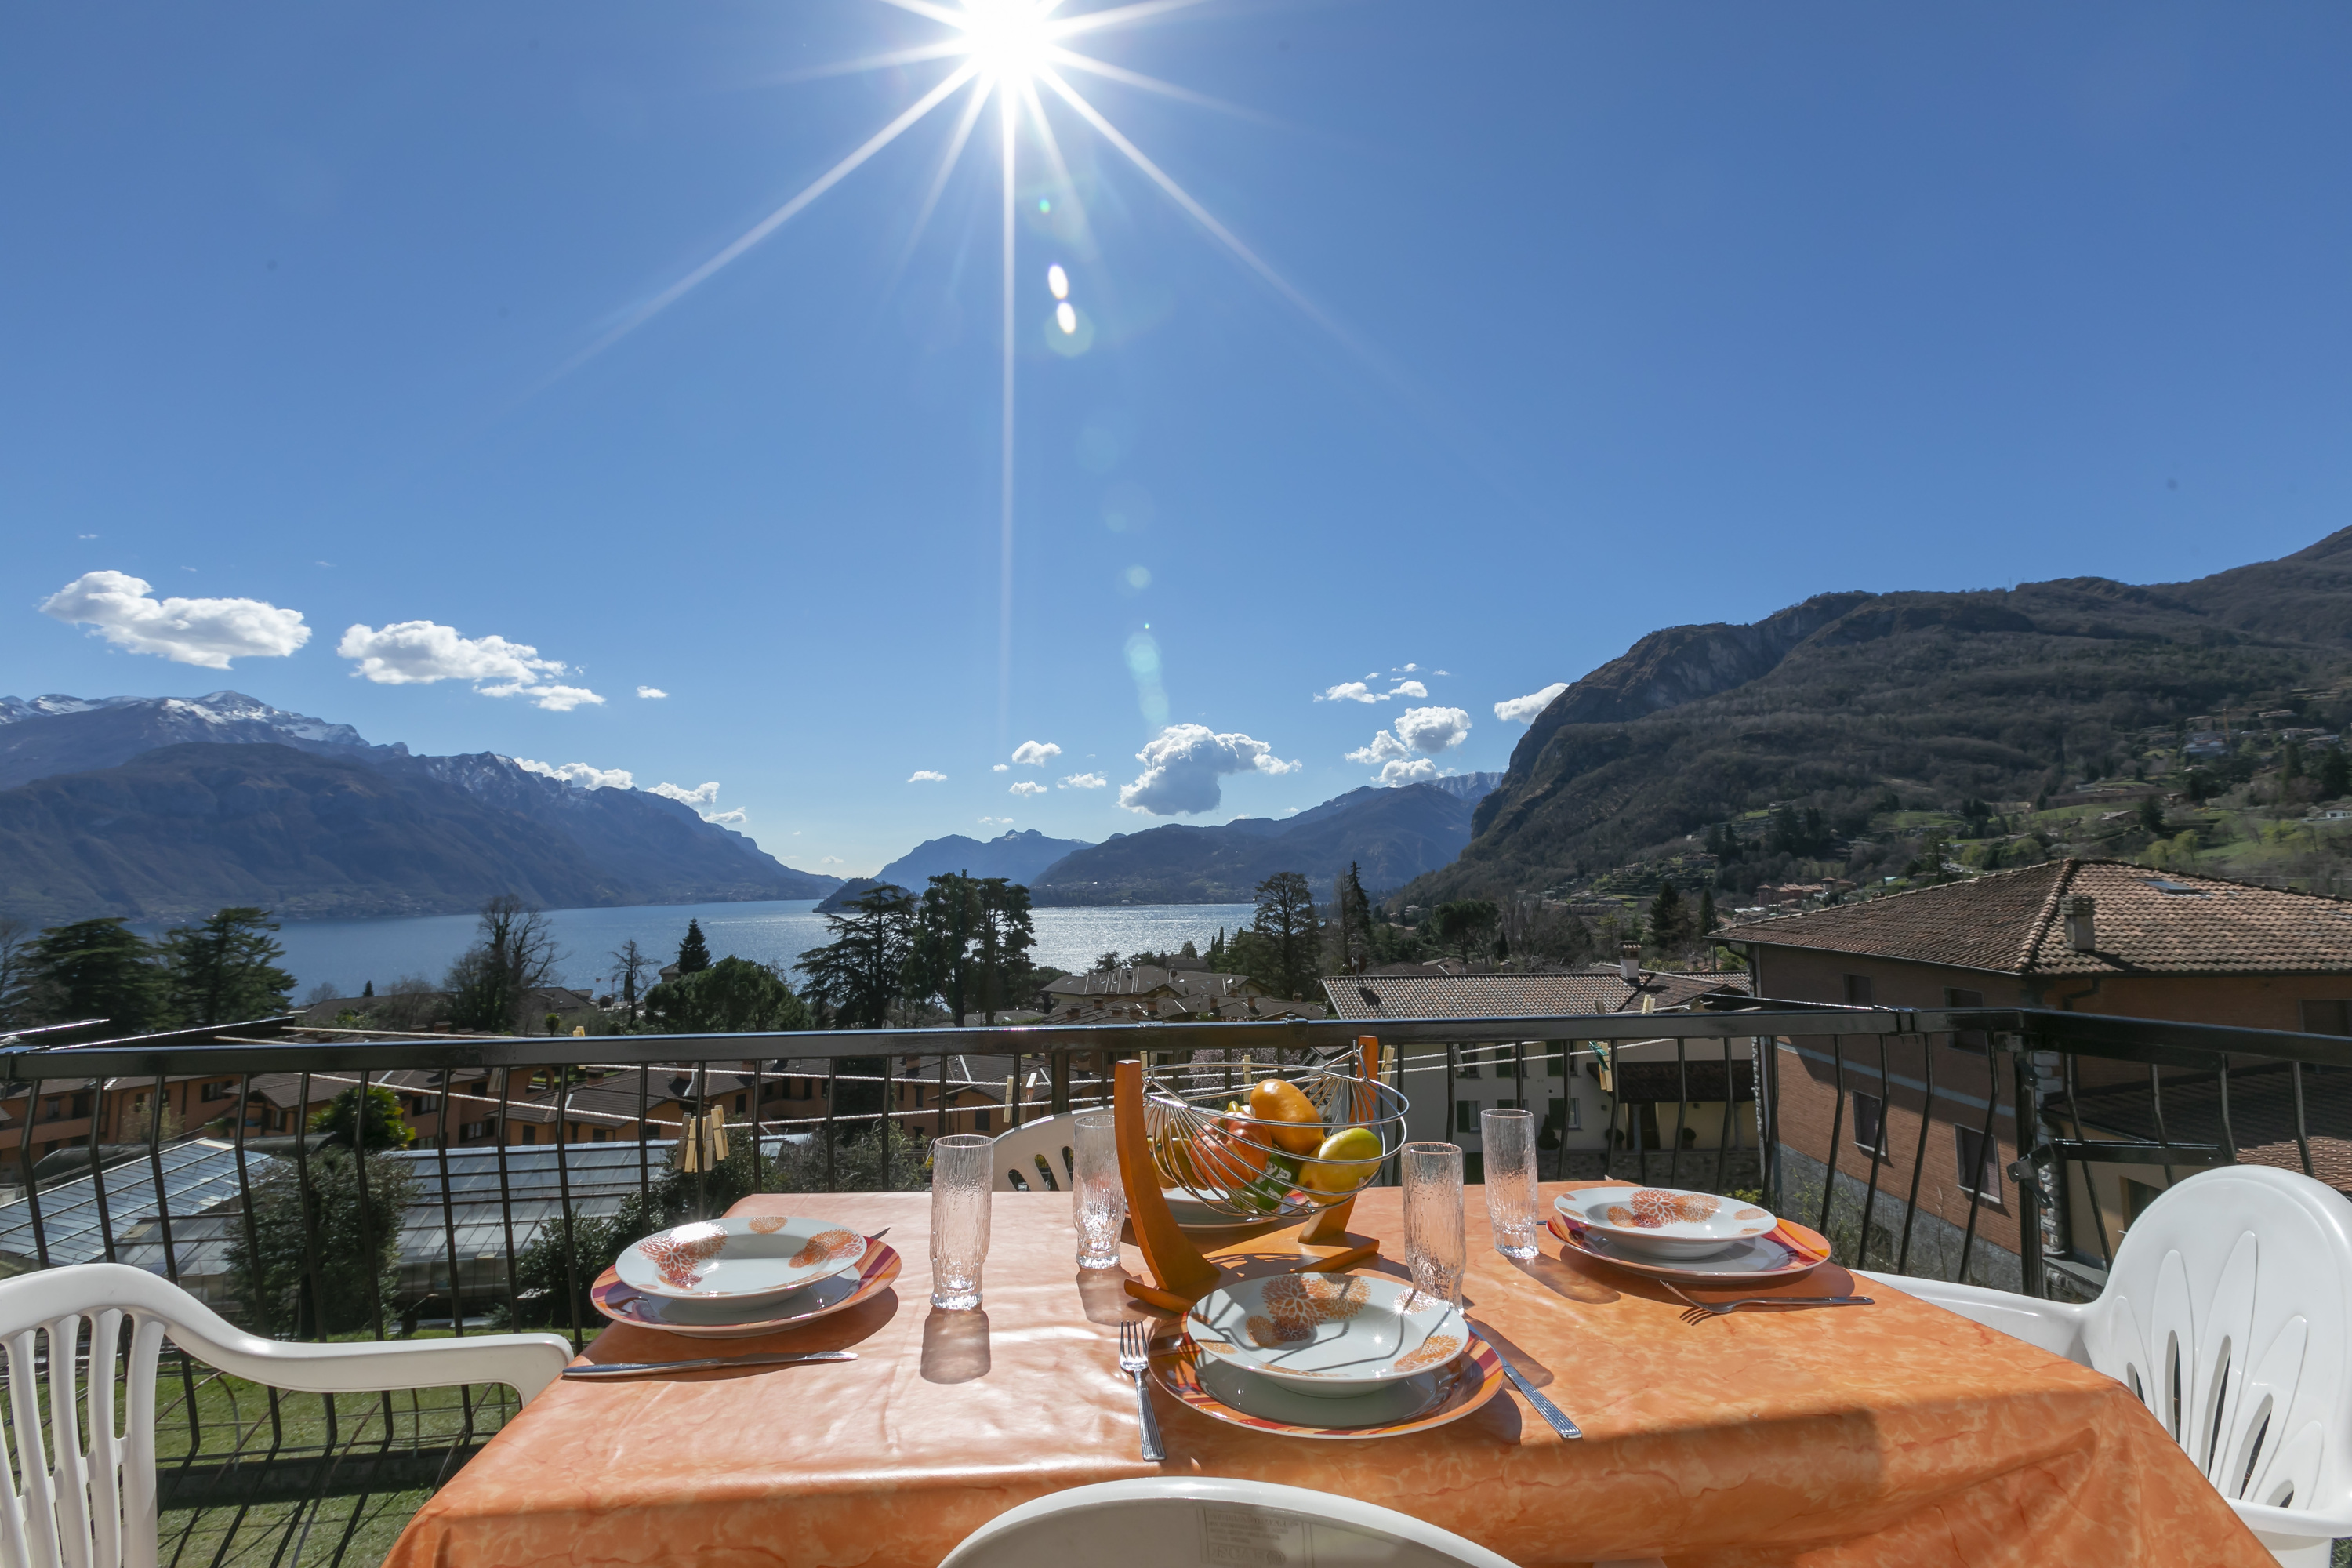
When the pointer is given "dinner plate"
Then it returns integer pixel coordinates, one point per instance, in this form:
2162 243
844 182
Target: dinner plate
837 1293
1788 1251
1667 1224
743 1260
1229 1394
1328 1336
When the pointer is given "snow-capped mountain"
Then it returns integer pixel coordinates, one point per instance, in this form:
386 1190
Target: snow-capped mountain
56 734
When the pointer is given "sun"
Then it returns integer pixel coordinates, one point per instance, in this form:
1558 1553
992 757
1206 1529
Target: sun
1009 40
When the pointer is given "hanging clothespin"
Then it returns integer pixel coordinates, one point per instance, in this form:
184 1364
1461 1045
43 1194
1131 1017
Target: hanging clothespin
717 1136
690 1144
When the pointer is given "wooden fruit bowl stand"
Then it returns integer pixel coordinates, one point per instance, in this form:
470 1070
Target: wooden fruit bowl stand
1181 1272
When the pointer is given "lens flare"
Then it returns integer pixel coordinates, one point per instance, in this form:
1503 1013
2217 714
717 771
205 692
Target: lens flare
1058 281
1065 316
1007 38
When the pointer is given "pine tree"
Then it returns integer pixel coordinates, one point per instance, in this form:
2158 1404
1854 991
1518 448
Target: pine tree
1668 921
95 969
693 954
2335 774
368 989
226 970
1706 920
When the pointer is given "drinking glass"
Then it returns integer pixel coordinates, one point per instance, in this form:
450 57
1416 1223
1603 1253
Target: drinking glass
1100 1200
959 1219
1510 1140
1434 1250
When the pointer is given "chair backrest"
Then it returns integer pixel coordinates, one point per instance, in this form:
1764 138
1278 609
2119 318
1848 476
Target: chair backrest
2228 1311
1181 1521
1034 1156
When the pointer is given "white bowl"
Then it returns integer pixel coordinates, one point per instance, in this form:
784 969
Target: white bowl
1331 1335
1666 1222
740 1261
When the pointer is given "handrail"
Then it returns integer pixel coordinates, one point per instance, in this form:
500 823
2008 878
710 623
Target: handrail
2163 1041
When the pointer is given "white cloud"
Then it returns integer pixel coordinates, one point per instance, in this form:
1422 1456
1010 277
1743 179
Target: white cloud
1085 781
1002 768
1523 709
1028 786
1181 766
1409 689
1427 731
1433 730
924 775
735 818
585 774
707 794
1348 691
996 822
417 653
207 632
1035 753
1407 670
829 860
651 691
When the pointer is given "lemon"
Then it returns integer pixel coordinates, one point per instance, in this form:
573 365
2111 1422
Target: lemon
1346 1159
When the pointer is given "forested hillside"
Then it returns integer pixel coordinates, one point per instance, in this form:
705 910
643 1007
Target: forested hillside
1852 705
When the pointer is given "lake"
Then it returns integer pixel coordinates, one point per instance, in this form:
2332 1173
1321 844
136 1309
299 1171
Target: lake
347 954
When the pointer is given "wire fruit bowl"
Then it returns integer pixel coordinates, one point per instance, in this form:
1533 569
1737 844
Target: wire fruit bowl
1242 1168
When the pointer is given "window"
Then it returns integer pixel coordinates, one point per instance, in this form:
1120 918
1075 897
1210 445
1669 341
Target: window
1466 1116
1869 1123
220 1088
1575 1114
980 1121
1980 1163
528 1135
2327 1017
1857 991
1558 1065
600 1135
1975 1040
1467 1069
739 1103
473 1130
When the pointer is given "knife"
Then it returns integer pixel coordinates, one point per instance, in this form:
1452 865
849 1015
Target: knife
640 1368
1551 1413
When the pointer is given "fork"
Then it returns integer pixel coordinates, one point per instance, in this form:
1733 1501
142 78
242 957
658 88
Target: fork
1135 1359
1700 1311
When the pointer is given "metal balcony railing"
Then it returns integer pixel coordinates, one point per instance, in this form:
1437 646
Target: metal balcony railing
2002 1145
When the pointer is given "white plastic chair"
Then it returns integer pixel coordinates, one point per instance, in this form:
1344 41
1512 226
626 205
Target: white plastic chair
2229 1313
96 1507
1034 1155
1182 1521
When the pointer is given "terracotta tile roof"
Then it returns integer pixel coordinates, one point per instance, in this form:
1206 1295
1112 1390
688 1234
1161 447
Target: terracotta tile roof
1434 995
2146 922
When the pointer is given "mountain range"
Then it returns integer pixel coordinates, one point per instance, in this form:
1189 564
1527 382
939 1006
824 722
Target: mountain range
1018 856
164 808
1390 835
1849 699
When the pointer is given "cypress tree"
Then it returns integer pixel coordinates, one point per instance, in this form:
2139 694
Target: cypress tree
693 954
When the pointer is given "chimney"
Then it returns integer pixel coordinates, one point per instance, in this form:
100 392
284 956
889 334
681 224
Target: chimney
1629 963
2082 932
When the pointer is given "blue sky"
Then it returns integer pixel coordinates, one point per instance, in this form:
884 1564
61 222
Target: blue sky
1629 316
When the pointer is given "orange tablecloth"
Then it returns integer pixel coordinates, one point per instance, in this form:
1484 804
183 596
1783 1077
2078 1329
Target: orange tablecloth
1896 1435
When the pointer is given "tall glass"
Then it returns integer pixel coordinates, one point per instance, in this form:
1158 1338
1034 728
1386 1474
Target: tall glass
1101 1201
959 1218
1435 1249
1510 1140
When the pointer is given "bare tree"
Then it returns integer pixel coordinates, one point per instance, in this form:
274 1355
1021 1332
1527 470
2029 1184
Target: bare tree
513 954
631 964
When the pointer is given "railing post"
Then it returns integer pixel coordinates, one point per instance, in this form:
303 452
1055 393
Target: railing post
1060 1101
2025 1117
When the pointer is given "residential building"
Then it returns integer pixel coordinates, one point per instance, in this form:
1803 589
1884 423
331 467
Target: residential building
2078 935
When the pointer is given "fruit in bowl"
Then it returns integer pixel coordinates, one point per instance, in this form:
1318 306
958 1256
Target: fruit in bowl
1300 1129
1343 1161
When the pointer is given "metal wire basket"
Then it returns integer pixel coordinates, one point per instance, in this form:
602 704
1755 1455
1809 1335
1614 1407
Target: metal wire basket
1228 1168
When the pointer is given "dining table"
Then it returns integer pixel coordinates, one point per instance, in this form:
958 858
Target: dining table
1895 1434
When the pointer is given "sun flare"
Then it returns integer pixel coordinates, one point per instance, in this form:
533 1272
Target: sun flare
1008 39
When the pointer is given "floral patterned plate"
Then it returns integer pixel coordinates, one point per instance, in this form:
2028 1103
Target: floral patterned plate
1785 1252
742 1262
1666 1224
1328 1336
837 1293
1227 1393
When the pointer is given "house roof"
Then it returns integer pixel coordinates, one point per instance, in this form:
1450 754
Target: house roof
2144 921
1439 995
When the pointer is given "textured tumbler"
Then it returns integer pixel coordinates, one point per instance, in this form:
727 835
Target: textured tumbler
1435 1249
1101 1200
959 1219
1509 1140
